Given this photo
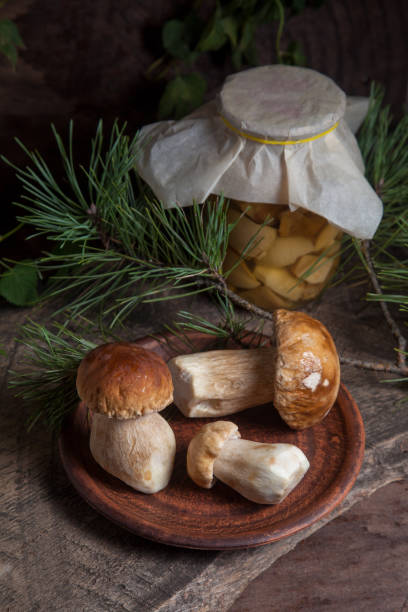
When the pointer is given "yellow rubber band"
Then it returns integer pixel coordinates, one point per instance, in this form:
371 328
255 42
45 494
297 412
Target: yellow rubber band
277 142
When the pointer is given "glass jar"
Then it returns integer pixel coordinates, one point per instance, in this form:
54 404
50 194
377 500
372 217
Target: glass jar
276 143
291 256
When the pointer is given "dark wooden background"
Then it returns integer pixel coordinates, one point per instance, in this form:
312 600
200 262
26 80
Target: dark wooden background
87 60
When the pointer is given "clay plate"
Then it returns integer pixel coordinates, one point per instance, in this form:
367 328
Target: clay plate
220 519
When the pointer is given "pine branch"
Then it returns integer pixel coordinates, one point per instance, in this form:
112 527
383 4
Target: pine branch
219 284
385 151
385 258
229 329
116 247
401 341
46 378
384 147
390 368
400 369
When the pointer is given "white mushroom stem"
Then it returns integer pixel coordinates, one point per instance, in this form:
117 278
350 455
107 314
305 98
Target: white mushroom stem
263 473
301 376
218 383
138 451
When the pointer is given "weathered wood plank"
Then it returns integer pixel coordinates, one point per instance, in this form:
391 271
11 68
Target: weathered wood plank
57 553
230 573
367 572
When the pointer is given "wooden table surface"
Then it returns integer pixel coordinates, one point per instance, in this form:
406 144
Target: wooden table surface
88 60
57 553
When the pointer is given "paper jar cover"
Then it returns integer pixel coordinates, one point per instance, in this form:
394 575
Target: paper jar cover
221 149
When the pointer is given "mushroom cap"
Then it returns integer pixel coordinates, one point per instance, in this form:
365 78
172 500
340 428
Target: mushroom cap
307 375
205 447
123 380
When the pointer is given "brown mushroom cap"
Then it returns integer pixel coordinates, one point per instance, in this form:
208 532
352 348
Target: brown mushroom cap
124 380
205 447
307 375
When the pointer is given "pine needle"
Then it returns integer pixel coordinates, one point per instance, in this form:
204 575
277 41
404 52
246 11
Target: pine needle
116 246
385 151
229 329
46 378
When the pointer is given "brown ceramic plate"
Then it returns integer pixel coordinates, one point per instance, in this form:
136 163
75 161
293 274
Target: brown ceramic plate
219 518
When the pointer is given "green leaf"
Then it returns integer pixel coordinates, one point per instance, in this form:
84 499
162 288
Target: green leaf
246 48
268 12
230 27
250 54
193 27
248 32
236 58
182 95
174 39
19 284
10 40
298 5
294 55
214 36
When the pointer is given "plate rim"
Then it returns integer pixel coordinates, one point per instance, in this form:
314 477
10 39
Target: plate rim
343 482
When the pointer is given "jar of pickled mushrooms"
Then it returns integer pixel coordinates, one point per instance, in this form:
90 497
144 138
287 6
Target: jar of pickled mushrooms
278 143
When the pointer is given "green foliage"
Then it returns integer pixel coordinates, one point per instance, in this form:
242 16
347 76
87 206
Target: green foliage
294 55
182 95
178 37
46 378
18 285
10 40
384 146
232 29
230 328
116 245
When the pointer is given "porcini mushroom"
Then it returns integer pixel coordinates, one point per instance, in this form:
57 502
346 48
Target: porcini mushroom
301 375
125 386
263 473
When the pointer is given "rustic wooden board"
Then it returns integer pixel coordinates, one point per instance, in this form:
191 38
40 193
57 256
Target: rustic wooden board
88 60
318 576
58 553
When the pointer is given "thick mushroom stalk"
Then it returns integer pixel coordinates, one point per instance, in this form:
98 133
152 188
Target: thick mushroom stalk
301 375
138 451
125 386
218 383
262 473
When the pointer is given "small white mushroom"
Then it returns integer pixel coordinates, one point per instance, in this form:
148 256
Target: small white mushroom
125 386
263 473
301 375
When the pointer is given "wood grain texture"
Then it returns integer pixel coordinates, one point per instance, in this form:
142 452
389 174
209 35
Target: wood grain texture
87 61
57 553
321 576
